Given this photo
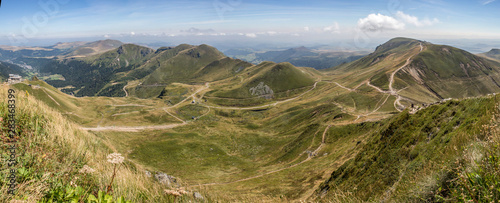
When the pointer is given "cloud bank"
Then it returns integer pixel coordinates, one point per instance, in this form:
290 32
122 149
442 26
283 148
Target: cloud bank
381 23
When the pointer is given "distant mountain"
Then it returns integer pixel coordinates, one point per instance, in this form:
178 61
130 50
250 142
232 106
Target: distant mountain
300 56
93 48
108 73
430 73
37 57
493 54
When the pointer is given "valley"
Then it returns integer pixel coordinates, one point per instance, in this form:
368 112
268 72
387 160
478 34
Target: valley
273 131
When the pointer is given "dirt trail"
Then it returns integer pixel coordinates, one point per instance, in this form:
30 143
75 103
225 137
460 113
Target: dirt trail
349 89
392 91
165 109
133 128
126 93
152 127
50 96
262 106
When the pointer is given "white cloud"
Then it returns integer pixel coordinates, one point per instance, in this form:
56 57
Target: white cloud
132 33
306 29
271 33
106 36
251 35
335 28
414 20
485 2
196 30
379 22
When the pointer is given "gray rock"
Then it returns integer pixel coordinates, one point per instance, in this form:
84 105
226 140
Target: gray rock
262 90
148 174
166 179
198 196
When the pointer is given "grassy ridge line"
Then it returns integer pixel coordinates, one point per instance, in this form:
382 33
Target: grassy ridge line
72 144
403 161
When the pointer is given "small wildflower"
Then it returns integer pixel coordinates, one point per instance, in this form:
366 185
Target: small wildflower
173 193
182 192
86 169
115 158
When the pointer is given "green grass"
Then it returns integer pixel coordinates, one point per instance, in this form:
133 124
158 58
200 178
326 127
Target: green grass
405 144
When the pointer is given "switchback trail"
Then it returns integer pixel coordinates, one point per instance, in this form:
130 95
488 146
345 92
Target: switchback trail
391 81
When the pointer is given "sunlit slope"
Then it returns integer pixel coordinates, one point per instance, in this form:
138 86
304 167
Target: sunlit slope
420 72
259 83
194 65
448 72
410 158
377 66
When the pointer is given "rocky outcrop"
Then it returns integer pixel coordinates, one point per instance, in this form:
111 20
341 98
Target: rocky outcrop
262 90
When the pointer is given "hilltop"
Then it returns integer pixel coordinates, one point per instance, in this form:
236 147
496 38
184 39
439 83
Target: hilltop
422 72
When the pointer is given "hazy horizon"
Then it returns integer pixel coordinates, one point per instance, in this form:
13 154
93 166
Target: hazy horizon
227 24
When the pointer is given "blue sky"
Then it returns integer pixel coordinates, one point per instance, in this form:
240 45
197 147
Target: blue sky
362 23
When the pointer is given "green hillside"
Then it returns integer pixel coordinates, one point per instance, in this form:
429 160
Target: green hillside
413 158
183 66
267 80
423 72
448 72
221 69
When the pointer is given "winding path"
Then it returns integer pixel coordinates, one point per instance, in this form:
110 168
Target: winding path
392 91
126 93
262 106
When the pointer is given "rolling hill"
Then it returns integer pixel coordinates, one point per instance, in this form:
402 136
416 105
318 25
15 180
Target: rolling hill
421 72
267 80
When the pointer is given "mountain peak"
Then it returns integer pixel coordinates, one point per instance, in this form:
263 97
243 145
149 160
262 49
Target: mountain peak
494 51
396 43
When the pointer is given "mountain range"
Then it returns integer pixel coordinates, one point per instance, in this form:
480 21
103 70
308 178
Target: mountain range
389 126
299 56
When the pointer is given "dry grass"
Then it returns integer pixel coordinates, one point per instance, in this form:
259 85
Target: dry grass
130 181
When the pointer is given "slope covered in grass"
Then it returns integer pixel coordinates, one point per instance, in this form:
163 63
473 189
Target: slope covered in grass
51 151
448 72
268 80
410 157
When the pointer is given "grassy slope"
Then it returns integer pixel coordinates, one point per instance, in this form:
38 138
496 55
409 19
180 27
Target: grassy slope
398 159
448 72
284 79
51 150
377 66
